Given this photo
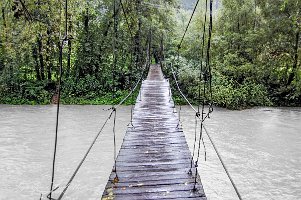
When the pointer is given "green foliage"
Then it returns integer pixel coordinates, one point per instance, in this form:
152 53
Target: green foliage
30 93
102 99
226 92
237 96
30 38
255 55
88 86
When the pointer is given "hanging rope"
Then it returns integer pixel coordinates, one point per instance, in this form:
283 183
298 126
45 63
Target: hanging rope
58 101
207 73
208 64
177 73
211 140
113 109
178 56
114 86
199 95
195 139
116 179
197 114
134 88
223 164
202 55
180 44
132 96
203 127
179 89
126 19
114 66
205 149
179 117
131 58
85 156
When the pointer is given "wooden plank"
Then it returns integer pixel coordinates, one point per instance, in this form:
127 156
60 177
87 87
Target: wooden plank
154 159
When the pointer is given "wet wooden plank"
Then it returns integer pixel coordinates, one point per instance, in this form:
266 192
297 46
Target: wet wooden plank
154 159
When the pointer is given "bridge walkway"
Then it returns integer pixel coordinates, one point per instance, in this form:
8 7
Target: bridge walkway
154 159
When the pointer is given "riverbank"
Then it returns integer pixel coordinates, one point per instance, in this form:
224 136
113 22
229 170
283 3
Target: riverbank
46 99
232 101
108 100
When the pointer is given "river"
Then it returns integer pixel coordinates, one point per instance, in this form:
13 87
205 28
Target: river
261 148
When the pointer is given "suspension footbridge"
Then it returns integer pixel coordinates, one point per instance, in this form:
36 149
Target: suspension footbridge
154 161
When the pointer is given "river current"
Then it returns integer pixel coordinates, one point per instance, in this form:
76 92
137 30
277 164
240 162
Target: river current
261 148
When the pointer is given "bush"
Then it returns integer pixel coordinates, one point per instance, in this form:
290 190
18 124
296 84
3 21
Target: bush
237 96
227 92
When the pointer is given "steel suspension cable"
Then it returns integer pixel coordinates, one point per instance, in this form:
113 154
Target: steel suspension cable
197 114
58 100
57 123
131 57
98 134
179 89
200 80
204 88
126 19
177 73
223 164
131 78
106 121
85 156
134 88
203 114
195 139
202 54
183 95
194 9
208 64
115 27
114 86
212 142
116 179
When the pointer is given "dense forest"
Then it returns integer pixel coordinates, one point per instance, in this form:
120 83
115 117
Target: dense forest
255 52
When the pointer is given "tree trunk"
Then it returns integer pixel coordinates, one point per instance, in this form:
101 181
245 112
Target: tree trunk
255 12
36 59
84 68
162 49
2 45
48 53
69 49
295 64
40 53
138 35
149 48
3 17
69 58
105 34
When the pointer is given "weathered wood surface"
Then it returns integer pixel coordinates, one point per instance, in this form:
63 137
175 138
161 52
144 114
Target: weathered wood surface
154 159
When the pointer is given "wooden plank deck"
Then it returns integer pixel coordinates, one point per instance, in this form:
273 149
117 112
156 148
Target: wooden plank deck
154 159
